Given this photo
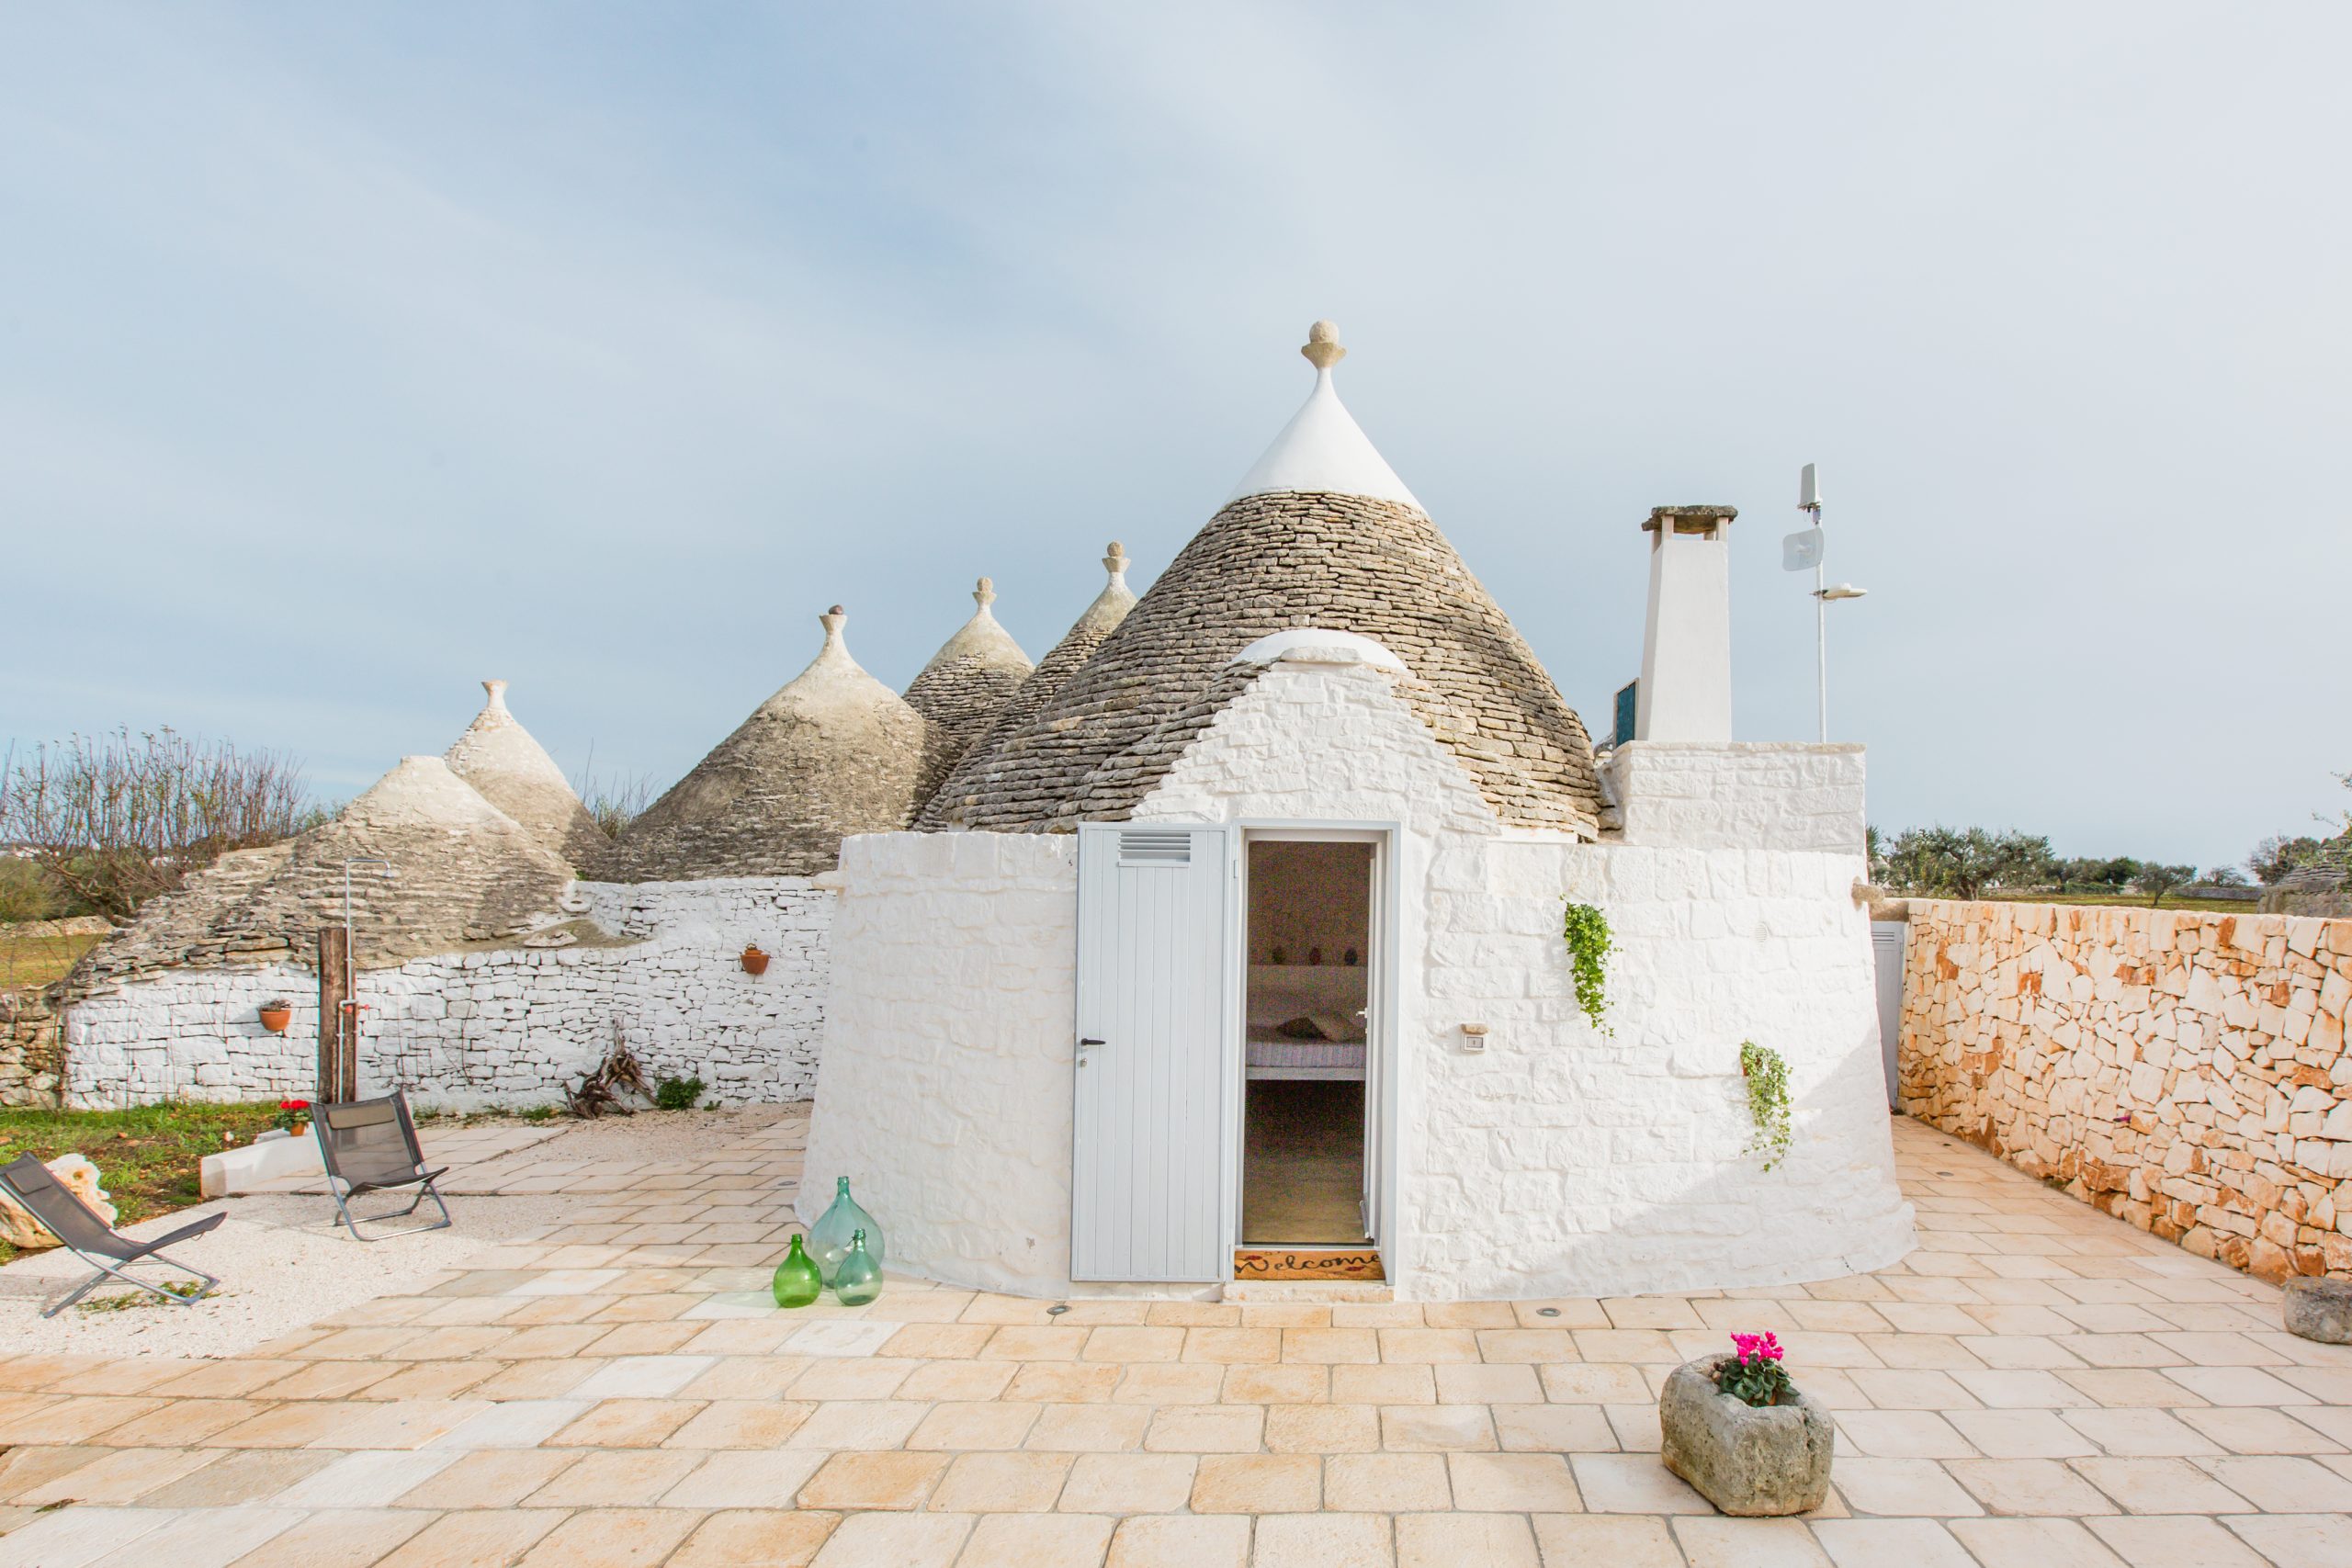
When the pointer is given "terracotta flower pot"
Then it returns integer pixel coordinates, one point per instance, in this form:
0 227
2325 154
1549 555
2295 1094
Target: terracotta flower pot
275 1020
754 961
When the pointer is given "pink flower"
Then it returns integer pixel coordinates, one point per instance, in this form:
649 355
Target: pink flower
1765 1347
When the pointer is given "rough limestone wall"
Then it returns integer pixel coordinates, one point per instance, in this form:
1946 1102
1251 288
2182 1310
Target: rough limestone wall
193 1034
945 1090
32 1056
1740 794
510 1027
1561 1159
2186 1072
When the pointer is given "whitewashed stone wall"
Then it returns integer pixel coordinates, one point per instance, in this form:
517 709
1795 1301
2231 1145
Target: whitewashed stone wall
2183 1071
1559 1160
944 1095
1740 794
510 1027
1563 1160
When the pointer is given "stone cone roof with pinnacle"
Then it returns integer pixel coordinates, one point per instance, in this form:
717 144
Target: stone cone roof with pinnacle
969 779
966 685
514 773
462 871
834 752
1321 534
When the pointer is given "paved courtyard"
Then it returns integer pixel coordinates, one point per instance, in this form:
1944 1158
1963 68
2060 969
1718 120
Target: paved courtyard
2037 1387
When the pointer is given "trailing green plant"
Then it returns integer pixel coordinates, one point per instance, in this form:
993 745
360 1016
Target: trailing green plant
677 1094
1768 1101
1586 930
1756 1376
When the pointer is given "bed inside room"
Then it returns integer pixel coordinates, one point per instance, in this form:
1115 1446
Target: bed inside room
1307 1016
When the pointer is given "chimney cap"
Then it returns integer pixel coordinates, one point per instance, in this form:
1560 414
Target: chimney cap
1689 519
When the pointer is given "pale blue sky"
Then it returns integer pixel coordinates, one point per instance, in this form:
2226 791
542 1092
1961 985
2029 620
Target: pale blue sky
350 354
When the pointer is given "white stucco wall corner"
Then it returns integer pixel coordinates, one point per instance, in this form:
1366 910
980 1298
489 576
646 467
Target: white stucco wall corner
945 1092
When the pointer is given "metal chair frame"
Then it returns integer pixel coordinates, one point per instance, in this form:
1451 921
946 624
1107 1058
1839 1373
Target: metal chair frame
342 1189
133 1254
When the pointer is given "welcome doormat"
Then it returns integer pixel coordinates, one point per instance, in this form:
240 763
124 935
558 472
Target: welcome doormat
1307 1263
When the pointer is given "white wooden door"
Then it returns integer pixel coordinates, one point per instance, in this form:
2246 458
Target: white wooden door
1148 1153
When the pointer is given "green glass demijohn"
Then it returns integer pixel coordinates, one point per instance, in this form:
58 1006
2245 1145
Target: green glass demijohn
828 1239
859 1278
797 1283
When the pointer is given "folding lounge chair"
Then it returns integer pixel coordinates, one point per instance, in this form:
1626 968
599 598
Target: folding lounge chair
51 1203
369 1145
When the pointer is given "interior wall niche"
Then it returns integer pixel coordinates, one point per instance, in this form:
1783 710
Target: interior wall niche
1309 897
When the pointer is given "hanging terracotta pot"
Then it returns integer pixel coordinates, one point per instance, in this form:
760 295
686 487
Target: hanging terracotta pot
276 1016
754 961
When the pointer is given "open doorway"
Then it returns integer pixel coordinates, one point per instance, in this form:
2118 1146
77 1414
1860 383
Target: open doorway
1306 1048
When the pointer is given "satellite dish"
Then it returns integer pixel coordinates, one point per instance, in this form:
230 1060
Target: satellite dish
1800 551
1809 490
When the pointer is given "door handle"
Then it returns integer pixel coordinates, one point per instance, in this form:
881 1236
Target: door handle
1084 1042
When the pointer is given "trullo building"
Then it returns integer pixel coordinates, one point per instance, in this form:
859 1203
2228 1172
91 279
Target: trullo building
1245 933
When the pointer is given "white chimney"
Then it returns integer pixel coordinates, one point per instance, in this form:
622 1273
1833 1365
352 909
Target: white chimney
1685 690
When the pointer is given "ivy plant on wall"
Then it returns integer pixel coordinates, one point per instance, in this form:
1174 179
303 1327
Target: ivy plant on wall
1587 931
1768 1101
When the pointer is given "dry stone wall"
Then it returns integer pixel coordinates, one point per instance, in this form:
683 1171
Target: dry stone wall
2186 1072
32 1062
504 1027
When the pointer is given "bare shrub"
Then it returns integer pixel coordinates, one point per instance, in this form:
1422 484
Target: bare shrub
115 819
614 802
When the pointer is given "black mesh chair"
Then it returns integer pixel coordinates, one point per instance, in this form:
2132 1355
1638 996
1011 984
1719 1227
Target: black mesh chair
369 1145
88 1238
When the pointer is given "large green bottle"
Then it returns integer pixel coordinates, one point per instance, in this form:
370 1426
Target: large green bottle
859 1278
797 1283
829 1237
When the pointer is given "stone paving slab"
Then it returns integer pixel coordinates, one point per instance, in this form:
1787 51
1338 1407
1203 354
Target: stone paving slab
2039 1386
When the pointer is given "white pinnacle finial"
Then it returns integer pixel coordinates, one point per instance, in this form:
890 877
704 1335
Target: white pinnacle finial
831 621
984 594
1322 346
1322 448
497 689
1115 563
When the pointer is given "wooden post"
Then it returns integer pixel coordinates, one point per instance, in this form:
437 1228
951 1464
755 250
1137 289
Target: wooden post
334 1018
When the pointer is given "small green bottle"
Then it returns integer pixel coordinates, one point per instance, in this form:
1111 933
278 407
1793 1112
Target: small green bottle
859 1278
797 1283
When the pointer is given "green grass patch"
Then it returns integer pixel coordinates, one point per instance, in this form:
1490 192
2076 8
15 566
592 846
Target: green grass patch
147 1157
30 961
2129 901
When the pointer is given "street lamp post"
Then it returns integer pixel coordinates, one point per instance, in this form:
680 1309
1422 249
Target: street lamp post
1805 548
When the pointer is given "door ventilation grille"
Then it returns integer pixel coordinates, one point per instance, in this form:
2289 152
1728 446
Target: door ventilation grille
1144 846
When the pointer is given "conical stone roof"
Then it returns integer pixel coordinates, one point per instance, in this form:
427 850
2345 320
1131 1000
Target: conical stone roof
969 779
1319 536
834 752
514 773
461 870
967 684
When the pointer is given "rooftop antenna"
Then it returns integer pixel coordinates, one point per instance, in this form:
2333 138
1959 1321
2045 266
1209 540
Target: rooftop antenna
1805 548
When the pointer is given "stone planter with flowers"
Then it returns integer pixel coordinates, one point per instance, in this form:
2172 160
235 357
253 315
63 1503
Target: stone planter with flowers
1739 1431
